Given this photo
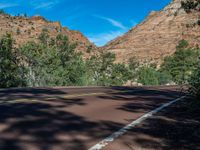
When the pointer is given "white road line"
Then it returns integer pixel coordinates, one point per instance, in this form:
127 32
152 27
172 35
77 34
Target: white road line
125 129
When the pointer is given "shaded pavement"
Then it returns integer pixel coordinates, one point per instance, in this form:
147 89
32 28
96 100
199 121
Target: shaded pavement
72 123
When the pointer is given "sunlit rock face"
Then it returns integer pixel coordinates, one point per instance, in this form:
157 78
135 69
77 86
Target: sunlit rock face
157 36
25 29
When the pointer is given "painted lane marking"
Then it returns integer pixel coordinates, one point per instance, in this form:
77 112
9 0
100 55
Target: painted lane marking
125 129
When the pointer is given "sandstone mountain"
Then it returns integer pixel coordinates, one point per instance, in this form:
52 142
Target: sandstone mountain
25 29
157 36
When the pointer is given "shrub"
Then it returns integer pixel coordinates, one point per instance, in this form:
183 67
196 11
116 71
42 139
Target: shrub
190 5
2 11
11 74
89 49
18 31
181 65
44 36
195 83
102 71
148 76
164 78
198 22
54 64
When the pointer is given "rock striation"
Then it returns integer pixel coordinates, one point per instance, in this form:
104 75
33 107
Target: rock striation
25 29
157 36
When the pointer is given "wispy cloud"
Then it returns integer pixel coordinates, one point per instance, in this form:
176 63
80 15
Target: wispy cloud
38 4
7 5
113 22
102 38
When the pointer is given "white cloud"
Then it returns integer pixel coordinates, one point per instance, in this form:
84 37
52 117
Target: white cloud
38 4
7 5
113 22
45 5
102 38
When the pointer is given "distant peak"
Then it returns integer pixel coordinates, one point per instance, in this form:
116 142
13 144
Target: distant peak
37 17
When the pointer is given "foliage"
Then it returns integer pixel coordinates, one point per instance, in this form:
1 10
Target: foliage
181 65
133 67
195 82
99 68
120 75
183 44
102 70
18 31
190 5
198 22
11 74
148 76
2 11
44 36
53 63
164 78
89 49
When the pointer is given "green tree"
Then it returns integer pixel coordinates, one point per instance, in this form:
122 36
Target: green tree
120 75
44 36
148 76
133 65
18 31
181 65
164 77
99 68
53 63
11 74
183 44
2 11
195 82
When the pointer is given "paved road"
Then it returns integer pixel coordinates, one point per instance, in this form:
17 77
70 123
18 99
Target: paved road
72 118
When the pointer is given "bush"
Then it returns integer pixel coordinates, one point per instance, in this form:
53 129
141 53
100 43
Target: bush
2 11
190 5
148 76
164 78
120 75
18 31
198 22
195 83
53 64
89 49
133 66
181 65
102 71
11 73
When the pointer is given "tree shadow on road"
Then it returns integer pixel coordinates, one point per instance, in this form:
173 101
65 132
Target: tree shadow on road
29 93
46 127
175 128
141 99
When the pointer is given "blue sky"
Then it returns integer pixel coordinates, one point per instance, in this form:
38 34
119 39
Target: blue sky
99 20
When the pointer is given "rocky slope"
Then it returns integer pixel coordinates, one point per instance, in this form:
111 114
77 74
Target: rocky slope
25 29
157 36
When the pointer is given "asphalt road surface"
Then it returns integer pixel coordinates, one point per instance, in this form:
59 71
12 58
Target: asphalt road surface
72 118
